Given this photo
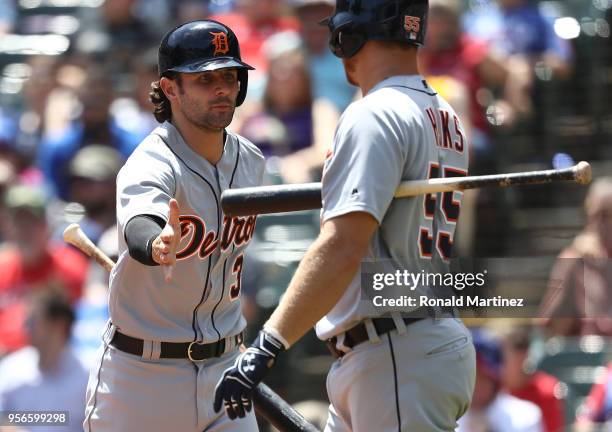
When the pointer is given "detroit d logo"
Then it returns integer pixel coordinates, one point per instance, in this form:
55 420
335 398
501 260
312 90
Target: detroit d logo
220 43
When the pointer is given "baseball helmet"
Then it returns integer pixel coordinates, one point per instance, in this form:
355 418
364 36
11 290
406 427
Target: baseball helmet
356 21
200 46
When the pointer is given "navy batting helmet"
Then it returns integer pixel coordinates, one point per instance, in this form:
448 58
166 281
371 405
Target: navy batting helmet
200 46
356 21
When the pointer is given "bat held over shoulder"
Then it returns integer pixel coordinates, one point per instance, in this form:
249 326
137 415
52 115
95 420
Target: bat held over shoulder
307 196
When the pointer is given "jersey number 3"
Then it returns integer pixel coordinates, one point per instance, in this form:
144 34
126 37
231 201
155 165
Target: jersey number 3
234 290
449 208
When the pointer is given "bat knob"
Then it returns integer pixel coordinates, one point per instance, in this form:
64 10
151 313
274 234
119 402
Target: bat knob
583 173
71 233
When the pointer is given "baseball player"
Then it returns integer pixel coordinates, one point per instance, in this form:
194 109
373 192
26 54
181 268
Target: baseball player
175 315
408 372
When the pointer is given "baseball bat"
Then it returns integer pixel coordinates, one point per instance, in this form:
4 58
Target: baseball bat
267 403
307 196
74 235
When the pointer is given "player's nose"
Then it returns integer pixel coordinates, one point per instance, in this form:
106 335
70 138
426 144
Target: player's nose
222 88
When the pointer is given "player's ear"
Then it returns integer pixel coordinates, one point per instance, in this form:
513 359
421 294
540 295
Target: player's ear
169 87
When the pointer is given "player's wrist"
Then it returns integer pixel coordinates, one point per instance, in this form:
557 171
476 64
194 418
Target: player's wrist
268 344
276 335
153 257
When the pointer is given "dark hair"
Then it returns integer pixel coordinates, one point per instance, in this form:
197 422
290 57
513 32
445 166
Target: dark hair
55 305
161 105
162 110
297 59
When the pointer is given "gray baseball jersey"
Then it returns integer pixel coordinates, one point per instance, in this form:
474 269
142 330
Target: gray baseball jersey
401 130
202 301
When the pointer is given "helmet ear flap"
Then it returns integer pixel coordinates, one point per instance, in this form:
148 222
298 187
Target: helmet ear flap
350 43
243 79
345 41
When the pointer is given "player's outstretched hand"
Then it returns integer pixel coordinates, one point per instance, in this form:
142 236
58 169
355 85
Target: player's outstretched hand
165 245
235 388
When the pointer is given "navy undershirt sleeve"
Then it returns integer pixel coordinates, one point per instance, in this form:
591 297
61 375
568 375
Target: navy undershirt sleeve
140 232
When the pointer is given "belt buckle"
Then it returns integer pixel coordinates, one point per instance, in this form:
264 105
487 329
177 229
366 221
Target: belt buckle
189 348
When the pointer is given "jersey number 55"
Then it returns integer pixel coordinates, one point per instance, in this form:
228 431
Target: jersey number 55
444 212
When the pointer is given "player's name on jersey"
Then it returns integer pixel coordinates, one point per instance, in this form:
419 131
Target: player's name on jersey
448 134
453 301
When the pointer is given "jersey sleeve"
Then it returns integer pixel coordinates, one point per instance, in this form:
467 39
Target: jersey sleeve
365 167
145 185
261 169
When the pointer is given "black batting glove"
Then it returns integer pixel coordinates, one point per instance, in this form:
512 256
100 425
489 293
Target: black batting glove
235 388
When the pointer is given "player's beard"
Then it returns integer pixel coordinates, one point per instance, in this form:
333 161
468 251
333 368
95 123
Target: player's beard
205 117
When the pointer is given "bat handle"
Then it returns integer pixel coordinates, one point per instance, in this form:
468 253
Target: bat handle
582 173
278 412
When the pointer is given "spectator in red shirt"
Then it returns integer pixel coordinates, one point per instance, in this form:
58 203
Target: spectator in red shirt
29 263
522 381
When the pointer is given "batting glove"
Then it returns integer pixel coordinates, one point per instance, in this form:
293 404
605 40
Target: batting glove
235 388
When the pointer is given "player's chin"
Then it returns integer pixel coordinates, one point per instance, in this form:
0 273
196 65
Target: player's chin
219 120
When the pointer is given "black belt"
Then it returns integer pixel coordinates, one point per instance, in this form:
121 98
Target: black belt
359 333
194 351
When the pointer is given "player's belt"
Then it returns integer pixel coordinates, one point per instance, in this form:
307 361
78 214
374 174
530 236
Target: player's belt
359 334
194 351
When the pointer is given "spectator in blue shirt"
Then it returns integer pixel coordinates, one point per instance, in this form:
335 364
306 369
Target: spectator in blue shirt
519 31
517 27
328 80
93 123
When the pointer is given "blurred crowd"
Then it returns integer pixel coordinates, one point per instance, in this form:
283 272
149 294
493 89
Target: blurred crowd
74 95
